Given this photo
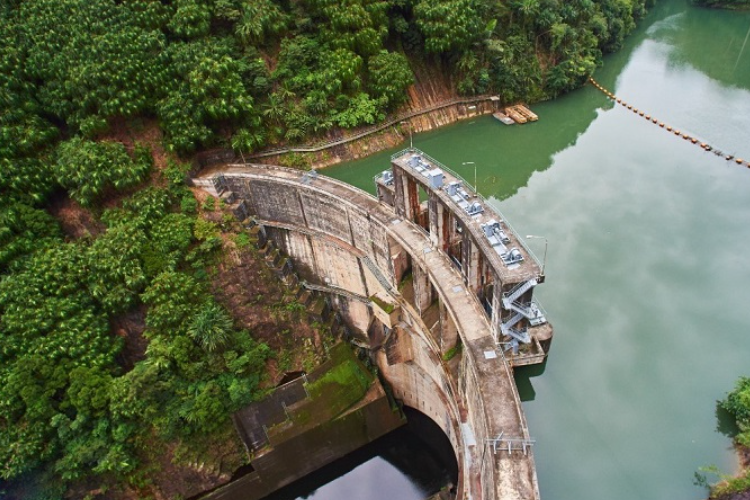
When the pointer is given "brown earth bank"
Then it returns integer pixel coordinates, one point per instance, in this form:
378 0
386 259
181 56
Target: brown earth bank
743 454
432 87
242 282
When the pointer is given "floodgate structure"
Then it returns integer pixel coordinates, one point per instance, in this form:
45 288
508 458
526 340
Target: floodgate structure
433 281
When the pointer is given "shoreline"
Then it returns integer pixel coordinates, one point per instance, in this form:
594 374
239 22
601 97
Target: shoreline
387 137
343 149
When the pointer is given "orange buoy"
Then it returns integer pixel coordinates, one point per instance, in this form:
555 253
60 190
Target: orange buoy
669 128
619 100
661 125
654 120
739 161
685 136
630 106
694 140
704 145
640 113
676 132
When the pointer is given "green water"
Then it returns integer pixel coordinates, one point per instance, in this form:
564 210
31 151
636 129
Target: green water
649 255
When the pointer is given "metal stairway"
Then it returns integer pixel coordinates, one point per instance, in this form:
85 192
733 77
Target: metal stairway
511 322
529 311
519 290
519 335
376 272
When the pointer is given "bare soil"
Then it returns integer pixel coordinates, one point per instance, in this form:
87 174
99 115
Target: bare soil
76 221
743 453
129 327
262 304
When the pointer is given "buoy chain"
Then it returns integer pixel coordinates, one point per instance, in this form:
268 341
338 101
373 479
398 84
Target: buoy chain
668 128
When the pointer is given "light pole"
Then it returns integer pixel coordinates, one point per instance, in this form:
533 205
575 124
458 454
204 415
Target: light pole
544 259
411 142
475 173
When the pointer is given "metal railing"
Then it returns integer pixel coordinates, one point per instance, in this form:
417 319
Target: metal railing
335 290
510 444
470 188
373 129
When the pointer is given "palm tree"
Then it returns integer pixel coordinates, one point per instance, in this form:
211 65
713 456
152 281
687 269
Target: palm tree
211 327
273 109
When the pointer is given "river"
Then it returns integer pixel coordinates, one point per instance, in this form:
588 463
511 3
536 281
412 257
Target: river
647 265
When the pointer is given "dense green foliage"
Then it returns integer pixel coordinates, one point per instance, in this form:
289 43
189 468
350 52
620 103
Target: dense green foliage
247 74
64 396
75 74
737 403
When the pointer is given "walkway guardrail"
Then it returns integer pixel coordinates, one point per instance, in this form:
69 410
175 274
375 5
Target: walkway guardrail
374 128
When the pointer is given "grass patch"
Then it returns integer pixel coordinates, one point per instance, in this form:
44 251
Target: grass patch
451 353
337 385
731 485
406 280
387 307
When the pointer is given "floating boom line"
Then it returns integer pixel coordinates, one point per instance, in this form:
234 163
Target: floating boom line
703 145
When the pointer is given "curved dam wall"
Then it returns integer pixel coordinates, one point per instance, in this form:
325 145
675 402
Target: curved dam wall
425 328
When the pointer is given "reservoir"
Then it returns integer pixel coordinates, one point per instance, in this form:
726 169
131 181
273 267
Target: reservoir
647 262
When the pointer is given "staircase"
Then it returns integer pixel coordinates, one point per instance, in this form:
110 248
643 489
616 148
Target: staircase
376 272
511 322
529 311
520 335
519 290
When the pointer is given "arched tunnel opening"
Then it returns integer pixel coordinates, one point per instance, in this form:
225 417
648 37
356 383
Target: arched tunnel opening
413 462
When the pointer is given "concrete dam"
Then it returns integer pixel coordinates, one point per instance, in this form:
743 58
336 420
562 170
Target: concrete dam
433 282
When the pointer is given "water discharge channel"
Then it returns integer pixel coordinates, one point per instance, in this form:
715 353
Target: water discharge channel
647 268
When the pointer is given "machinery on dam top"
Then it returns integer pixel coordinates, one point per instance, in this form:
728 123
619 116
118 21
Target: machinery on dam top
494 261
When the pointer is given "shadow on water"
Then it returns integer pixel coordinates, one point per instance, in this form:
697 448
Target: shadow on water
523 376
503 158
410 463
693 34
725 422
476 142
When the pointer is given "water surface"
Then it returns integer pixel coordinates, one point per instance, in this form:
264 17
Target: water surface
648 270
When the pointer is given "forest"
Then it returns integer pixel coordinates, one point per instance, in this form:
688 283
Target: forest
103 104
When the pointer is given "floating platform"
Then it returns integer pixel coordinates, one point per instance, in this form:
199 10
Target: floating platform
503 118
515 115
525 112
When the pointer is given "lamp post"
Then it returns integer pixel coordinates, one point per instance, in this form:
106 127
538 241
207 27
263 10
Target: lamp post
544 259
411 142
475 173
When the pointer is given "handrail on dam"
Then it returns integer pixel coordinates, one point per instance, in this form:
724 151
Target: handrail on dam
373 129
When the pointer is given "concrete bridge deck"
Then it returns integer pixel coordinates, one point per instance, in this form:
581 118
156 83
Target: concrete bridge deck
487 404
